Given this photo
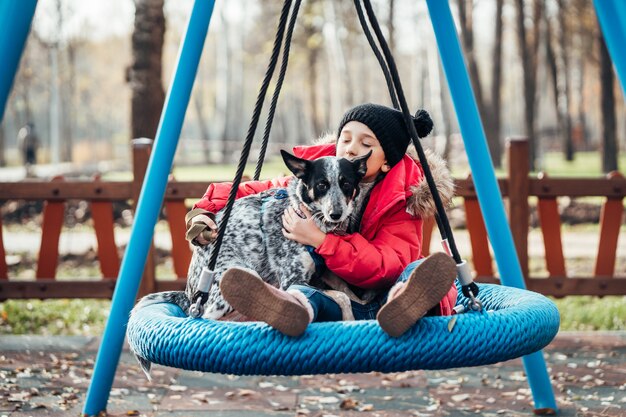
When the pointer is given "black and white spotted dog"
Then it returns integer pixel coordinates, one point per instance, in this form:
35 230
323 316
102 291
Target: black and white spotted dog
328 187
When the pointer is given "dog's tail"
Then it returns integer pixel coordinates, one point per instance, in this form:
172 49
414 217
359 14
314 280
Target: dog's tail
173 297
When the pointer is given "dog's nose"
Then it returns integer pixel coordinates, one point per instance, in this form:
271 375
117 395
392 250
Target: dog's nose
335 216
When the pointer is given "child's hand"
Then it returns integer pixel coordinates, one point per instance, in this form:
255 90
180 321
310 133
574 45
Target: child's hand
302 229
206 236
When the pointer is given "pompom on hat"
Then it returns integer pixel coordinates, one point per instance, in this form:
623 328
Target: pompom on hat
389 127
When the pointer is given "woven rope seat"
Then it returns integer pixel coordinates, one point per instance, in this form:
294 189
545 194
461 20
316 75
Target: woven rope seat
513 323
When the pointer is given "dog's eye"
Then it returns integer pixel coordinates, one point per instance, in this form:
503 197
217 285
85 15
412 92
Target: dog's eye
345 185
322 186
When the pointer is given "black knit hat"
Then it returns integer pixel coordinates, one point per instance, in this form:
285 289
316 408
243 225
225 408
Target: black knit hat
389 127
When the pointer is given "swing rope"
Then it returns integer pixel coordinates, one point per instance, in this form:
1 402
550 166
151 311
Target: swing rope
469 288
245 152
379 57
279 84
390 87
388 66
408 119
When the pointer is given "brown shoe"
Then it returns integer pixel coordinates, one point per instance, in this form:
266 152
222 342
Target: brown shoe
259 301
426 286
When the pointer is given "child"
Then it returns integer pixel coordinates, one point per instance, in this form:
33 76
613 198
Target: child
364 265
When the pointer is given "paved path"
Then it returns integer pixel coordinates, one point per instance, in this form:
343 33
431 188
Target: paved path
48 376
576 245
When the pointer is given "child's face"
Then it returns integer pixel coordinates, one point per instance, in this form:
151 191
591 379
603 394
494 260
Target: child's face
356 139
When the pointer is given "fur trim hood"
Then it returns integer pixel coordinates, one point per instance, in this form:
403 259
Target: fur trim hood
420 203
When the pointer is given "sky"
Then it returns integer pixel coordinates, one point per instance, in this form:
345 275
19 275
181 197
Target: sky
100 19
97 19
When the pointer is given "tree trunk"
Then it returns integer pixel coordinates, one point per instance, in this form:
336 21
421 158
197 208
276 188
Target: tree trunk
68 103
3 161
554 76
336 58
312 42
564 90
390 26
466 8
528 51
145 72
222 87
493 135
607 91
198 104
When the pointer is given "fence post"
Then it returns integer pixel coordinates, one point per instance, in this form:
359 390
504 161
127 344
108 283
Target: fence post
518 190
141 156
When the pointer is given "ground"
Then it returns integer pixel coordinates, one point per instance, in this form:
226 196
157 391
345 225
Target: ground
48 376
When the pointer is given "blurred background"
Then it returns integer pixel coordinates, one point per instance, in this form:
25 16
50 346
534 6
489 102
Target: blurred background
93 76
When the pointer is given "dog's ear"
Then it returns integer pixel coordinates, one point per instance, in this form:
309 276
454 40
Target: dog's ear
360 164
296 165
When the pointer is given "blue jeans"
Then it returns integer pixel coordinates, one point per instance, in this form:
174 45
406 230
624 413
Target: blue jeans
326 309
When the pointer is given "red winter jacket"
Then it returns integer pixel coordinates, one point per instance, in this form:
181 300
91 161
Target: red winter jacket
389 240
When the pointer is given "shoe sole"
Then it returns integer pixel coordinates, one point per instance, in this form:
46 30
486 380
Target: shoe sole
436 275
260 303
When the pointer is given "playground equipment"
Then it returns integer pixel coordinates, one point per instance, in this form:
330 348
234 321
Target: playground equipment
15 19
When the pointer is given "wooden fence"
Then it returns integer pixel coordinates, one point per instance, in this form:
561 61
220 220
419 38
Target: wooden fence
517 188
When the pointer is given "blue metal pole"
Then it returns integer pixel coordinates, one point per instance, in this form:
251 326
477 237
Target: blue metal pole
485 181
148 207
612 18
15 20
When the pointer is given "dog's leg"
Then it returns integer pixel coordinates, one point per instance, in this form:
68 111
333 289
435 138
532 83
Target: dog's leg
173 297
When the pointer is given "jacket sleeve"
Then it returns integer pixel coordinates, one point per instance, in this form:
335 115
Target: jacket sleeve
376 263
216 195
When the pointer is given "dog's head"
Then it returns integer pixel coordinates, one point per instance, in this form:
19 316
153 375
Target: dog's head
328 185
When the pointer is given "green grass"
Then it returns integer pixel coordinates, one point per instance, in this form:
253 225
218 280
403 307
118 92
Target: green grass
88 317
54 317
592 313
222 172
585 164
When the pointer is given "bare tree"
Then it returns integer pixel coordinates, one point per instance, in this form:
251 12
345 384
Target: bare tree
145 72
489 111
466 8
391 41
311 41
528 41
563 101
3 161
607 103
557 62
493 127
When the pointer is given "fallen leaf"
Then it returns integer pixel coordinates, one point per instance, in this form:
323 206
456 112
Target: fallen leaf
460 397
328 400
348 404
245 392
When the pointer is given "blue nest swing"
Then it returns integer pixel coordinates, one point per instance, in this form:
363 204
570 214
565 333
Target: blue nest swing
513 323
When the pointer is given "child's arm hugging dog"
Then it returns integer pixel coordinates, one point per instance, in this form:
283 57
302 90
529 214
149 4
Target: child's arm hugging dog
388 235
